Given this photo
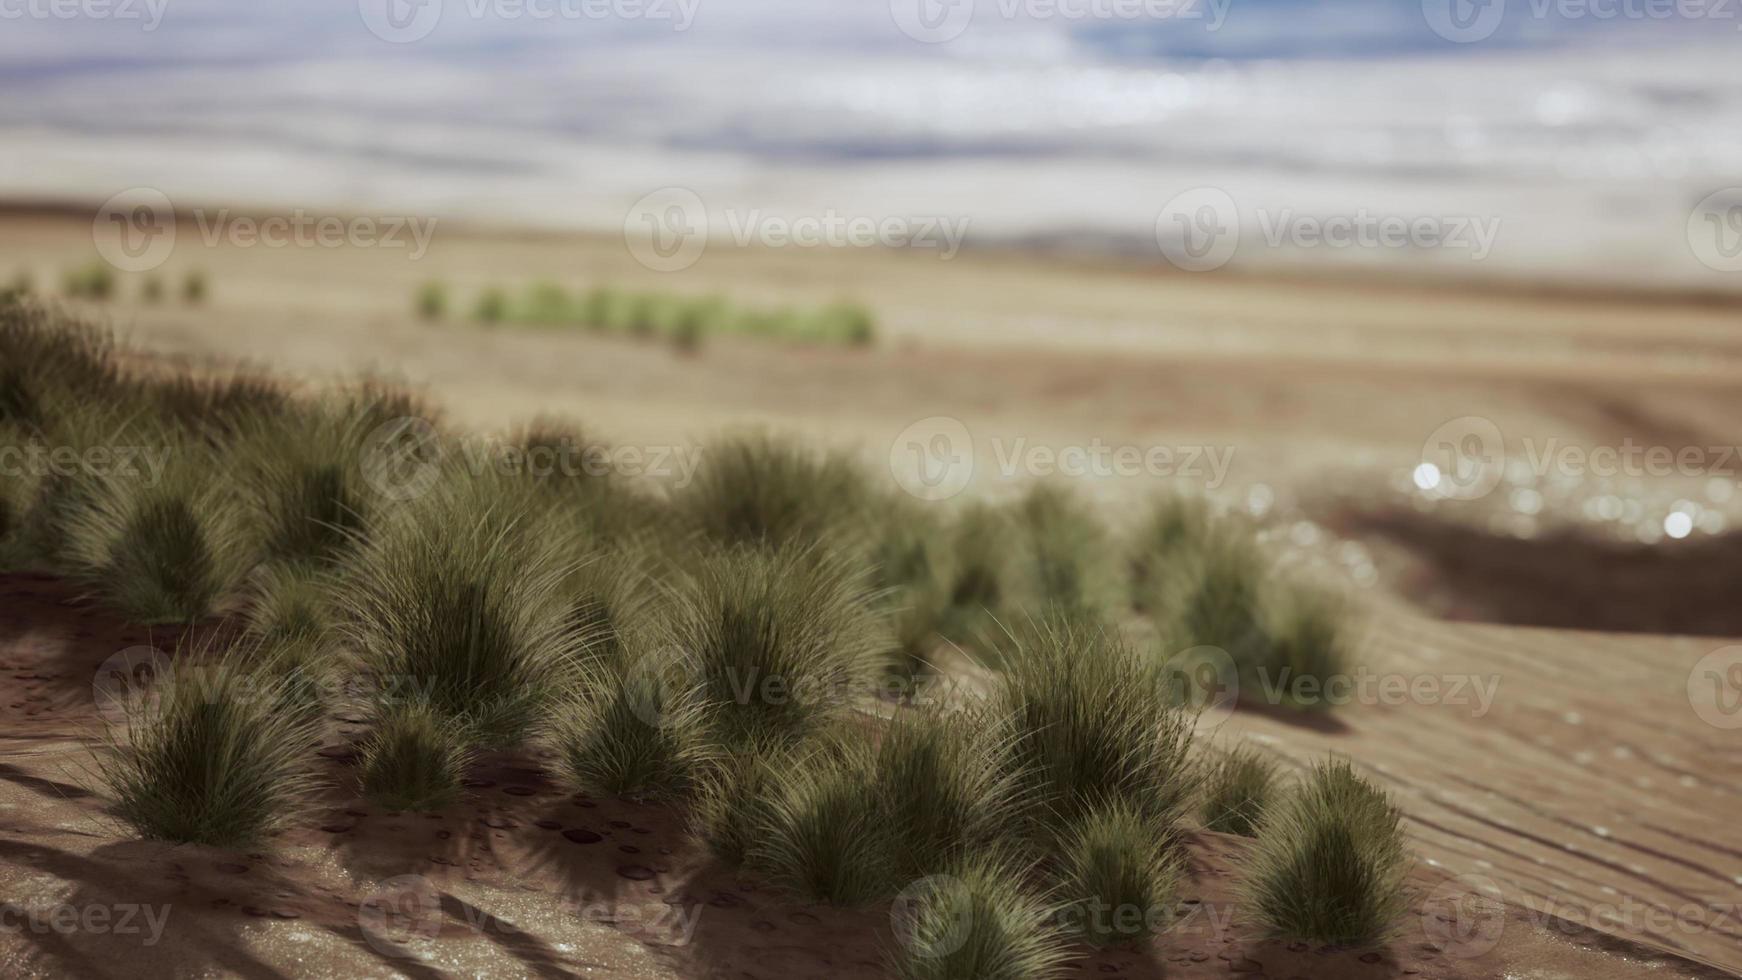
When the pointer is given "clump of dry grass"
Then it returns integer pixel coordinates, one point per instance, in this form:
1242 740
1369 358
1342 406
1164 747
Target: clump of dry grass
415 758
1238 786
776 643
633 729
455 599
978 921
766 490
1088 726
160 548
1329 861
1119 873
1063 554
214 759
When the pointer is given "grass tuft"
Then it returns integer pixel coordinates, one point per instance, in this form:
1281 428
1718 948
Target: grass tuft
731 796
1238 785
215 760
1306 627
414 760
939 788
634 731
978 922
456 599
761 489
1063 554
302 475
776 643
1176 530
291 603
1117 869
1329 862
1088 727
167 550
820 836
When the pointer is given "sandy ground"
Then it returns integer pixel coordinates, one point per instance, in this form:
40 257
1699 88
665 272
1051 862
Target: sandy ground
1591 793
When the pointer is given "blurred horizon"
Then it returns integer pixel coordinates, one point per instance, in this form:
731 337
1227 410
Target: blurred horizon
1588 144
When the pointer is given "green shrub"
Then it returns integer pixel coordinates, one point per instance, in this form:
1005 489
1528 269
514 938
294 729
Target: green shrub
215 760
290 602
978 922
547 302
432 301
492 307
195 288
1329 862
302 475
152 290
214 406
1237 788
415 759
51 365
1213 598
599 310
776 643
95 281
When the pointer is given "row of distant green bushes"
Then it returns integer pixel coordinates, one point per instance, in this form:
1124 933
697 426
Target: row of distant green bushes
98 282
683 320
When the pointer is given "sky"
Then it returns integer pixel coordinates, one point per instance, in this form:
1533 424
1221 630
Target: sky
1567 139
